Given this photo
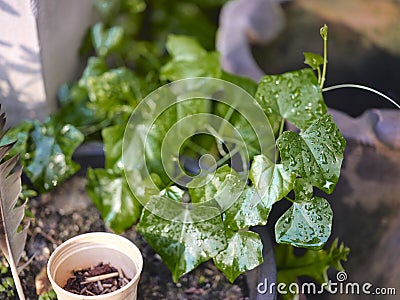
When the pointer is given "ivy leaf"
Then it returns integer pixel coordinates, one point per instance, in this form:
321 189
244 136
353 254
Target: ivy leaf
248 210
244 252
313 60
245 83
75 111
183 245
313 264
224 187
295 96
113 139
302 189
189 59
106 40
270 180
114 91
305 224
46 151
50 154
315 154
113 197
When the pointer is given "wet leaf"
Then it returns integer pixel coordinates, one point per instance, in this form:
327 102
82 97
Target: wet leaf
305 224
115 91
302 189
113 197
183 245
271 181
315 154
224 186
248 210
46 152
244 252
295 96
313 264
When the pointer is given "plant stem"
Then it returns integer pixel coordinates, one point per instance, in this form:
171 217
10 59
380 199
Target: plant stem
280 132
290 199
362 87
325 63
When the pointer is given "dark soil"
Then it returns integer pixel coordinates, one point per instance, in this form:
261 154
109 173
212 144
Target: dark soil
68 212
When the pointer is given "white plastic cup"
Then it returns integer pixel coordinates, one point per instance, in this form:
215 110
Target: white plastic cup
88 250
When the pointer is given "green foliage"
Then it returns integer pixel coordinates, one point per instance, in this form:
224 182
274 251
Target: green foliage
244 252
313 264
50 295
189 59
113 197
307 223
183 245
7 287
122 72
294 96
315 154
45 151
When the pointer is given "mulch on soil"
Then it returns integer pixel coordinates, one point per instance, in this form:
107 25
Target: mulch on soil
96 280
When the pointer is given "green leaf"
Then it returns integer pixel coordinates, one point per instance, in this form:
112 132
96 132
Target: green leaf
313 60
46 152
270 180
19 135
95 67
224 187
113 197
183 245
115 92
189 59
315 154
295 96
305 224
245 83
302 189
113 139
106 40
244 252
248 210
184 48
75 110
313 264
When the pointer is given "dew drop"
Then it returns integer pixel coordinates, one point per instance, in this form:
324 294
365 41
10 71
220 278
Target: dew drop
297 103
